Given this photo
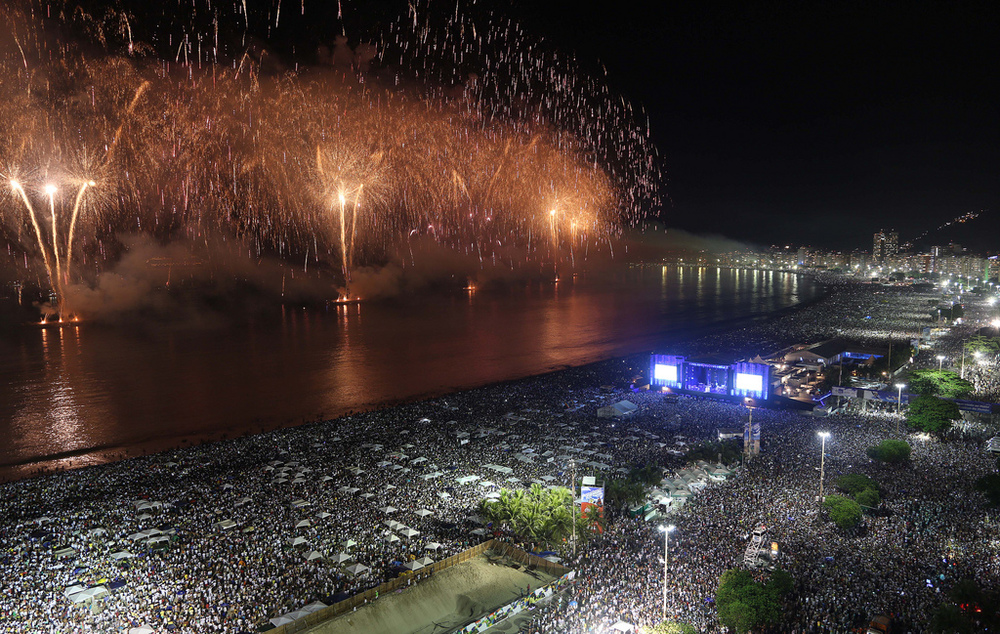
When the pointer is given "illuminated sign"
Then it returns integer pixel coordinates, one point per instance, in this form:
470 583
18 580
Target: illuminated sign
750 382
665 372
592 495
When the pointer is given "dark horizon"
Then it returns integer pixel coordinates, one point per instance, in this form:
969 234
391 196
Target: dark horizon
776 123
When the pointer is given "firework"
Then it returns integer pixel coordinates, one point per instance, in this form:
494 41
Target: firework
479 140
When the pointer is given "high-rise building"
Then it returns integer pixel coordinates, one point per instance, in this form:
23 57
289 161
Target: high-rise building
885 244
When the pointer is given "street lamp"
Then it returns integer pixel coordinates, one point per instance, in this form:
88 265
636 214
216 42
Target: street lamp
666 561
899 400
822 462
940 359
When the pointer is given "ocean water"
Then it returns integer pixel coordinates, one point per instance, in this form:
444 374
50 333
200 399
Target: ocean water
91 393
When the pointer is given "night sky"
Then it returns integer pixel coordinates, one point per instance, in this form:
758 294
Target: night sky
778 122
808 123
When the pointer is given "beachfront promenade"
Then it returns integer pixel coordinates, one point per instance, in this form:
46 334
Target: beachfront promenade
226 537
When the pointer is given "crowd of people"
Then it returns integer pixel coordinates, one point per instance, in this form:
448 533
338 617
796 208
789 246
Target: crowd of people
227 536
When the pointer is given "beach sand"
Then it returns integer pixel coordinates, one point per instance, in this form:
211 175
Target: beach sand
441 603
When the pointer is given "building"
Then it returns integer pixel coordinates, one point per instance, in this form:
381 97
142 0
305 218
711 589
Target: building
885 244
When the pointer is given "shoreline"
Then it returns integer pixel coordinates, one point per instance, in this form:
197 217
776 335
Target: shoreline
108 454
346 476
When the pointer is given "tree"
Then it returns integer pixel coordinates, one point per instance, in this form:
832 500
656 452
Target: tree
982 344
744 604
891 451
949 619
944 383
990 485
931 414
845 512
854 483
868 498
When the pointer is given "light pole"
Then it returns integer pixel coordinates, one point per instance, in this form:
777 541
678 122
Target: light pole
666 561
962 375
572 463
899 401
940 359
822 462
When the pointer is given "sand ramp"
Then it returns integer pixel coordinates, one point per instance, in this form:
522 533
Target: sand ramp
440 603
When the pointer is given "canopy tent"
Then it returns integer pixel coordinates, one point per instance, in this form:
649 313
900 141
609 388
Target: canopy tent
349 543
142 629
357 569
315 606
409 532
149 532
89 594
73 589
388 509
424 512
314 554
225 524
122 554
432 546
340 558
303 524
413 565
426 561
297 541
391 537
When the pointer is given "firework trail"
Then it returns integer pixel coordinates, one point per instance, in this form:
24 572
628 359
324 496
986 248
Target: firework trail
455 127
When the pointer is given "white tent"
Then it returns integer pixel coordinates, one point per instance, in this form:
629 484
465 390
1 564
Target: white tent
225 524
303 524
432 546
315 606
357 569
73 589
413 565
323 515
390 537
297 541
409 532
121 555
89 594
142 629
426 561
278 621
388 509
314 554
349 543
424 512
340 558
618 410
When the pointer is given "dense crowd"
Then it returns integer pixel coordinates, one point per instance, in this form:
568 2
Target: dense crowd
225 537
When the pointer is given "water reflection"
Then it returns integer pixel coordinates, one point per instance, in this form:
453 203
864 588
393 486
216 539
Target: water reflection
66 390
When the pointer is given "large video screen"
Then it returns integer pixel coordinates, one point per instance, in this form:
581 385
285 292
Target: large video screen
749 382
663 372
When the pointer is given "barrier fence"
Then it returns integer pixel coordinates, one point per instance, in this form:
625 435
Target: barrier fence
362 598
